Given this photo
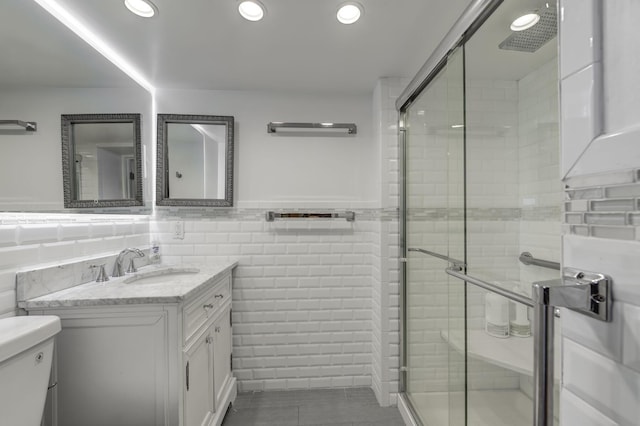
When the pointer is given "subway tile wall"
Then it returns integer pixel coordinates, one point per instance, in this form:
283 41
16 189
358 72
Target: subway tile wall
28 240
601 370
386 286
302 308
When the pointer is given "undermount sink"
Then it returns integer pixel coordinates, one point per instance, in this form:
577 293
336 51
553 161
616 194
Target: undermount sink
161 276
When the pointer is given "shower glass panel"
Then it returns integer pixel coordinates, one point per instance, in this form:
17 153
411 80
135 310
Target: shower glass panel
481 186
433 212
513 199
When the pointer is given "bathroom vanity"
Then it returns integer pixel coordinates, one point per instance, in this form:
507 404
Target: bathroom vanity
151 348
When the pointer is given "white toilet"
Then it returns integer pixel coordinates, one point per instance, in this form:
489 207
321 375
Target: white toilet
26 352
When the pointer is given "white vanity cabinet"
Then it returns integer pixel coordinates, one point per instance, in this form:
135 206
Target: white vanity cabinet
145 364
207 356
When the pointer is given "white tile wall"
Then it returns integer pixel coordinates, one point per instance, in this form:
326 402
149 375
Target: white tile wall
28 240
581 112
601 381
575 411
580 35
611 388
302 305
386 290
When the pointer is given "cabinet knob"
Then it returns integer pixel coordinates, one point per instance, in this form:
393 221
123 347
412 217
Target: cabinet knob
209 339
208 306
219 296
217 329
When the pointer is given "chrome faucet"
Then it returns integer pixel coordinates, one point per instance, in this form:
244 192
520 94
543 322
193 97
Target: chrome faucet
117 266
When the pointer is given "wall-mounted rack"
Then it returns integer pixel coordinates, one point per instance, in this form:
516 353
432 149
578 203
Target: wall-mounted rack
278 126
348 215
29 126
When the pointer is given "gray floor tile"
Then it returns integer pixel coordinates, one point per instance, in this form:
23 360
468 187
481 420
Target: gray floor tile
346 412
266 416
321 407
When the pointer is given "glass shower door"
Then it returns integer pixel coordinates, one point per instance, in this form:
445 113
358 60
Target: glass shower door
433 232
513 199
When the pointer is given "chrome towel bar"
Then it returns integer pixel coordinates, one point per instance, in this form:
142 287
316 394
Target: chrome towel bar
350 216
528 259
438 255
273 126
29 126
516 297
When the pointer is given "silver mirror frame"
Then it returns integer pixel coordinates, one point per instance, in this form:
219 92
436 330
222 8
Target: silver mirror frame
68 153
162 166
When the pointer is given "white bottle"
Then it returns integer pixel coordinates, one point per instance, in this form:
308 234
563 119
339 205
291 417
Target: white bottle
496 310
519 324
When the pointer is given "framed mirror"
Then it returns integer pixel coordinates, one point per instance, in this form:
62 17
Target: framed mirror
101 160
195 160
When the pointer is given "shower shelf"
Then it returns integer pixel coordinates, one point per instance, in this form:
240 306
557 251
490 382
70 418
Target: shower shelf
514 353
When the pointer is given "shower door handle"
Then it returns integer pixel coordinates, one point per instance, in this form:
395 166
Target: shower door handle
586 292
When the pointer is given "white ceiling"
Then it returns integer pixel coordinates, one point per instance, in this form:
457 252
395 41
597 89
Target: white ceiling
205 44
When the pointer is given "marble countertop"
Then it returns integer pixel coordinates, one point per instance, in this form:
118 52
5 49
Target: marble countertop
125 291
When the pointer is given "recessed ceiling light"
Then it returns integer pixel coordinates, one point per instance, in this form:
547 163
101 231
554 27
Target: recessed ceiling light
252 10
525 21
349 12
143 8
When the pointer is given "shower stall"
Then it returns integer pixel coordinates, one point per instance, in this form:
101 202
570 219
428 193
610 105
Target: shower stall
481 203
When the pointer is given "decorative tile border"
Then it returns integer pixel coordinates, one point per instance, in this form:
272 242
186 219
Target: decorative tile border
604 205
58 217
258 214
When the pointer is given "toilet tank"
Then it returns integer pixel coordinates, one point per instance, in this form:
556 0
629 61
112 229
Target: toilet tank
26 353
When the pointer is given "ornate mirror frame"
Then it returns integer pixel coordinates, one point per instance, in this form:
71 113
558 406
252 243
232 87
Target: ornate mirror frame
162 166
68 159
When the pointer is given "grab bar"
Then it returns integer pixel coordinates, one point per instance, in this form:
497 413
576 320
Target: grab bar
516 297
528 259
351 128
439 256
348 215
29 126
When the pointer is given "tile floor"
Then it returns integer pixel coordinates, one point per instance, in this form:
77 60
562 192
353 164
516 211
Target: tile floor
322 407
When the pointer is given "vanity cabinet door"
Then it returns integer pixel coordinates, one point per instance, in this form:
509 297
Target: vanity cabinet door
198 380
222 354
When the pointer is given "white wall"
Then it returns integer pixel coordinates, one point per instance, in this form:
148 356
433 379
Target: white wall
31 162
599 66
274 170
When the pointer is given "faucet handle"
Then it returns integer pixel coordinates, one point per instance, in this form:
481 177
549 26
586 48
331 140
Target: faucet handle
102 274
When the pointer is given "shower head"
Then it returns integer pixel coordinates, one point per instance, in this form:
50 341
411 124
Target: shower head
532 39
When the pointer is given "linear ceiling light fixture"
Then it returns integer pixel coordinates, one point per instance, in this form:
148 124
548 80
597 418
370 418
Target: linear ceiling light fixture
252 10
143 8
524 22
349 12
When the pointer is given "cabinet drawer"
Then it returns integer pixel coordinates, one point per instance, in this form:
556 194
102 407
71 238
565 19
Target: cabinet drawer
205 306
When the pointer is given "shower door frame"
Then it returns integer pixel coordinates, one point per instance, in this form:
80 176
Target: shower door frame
547 294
